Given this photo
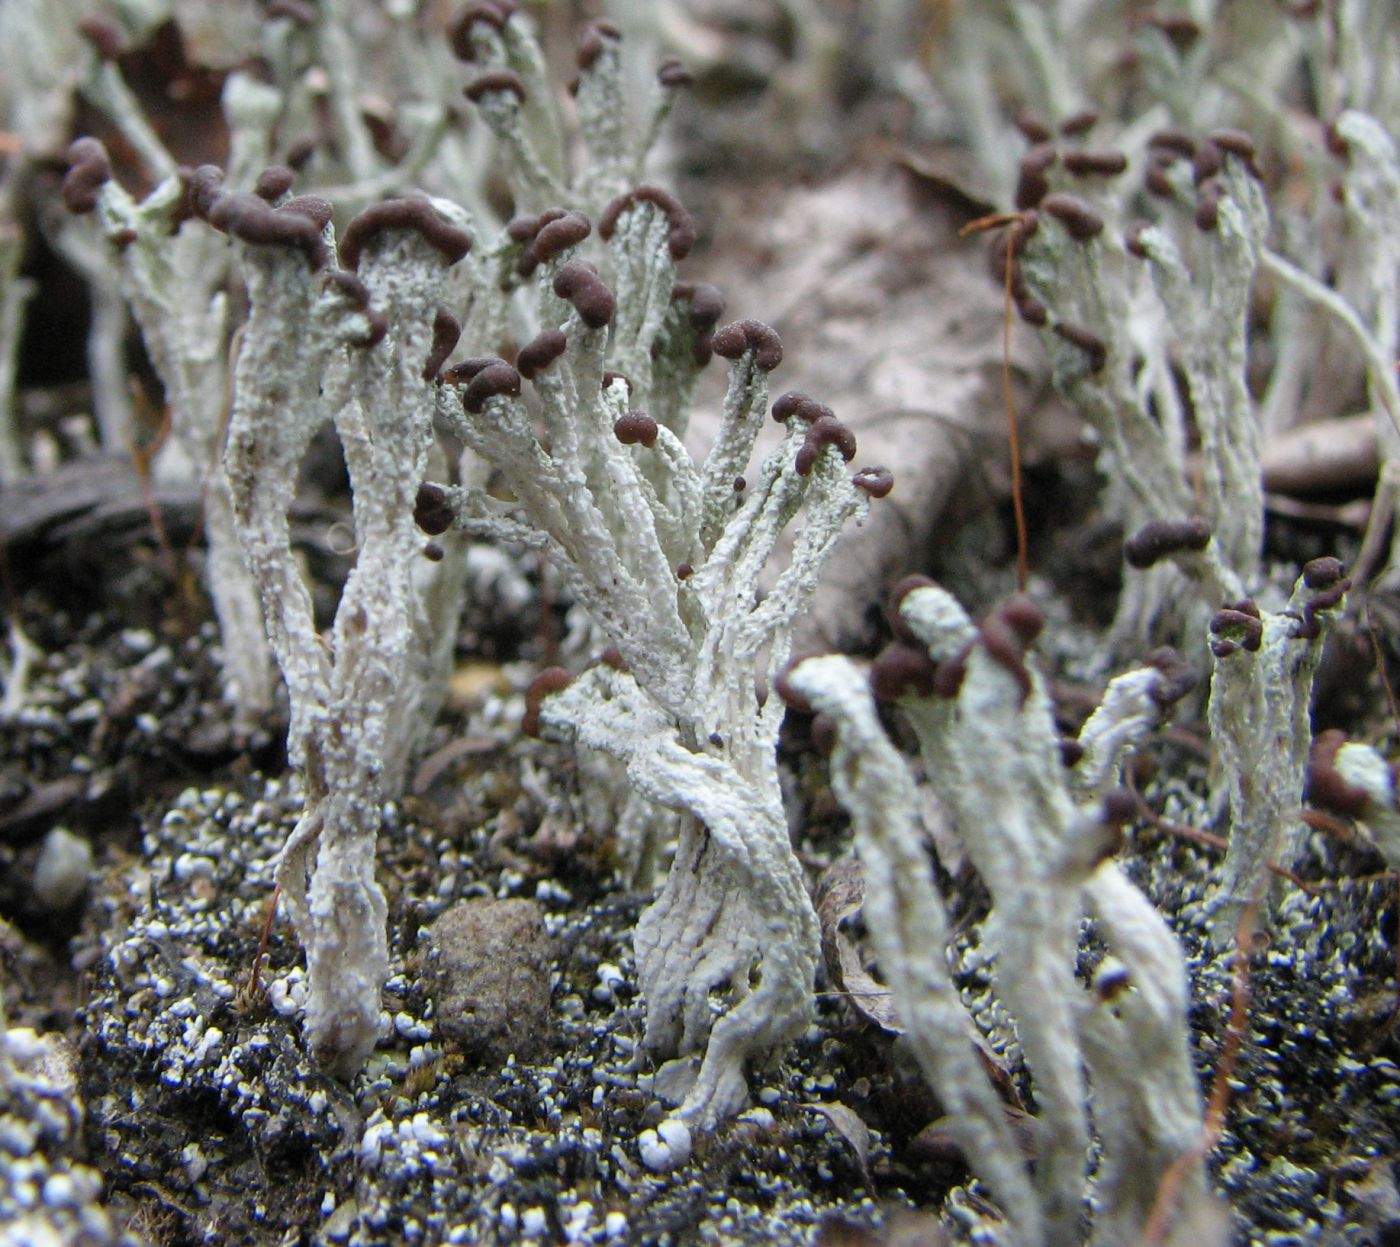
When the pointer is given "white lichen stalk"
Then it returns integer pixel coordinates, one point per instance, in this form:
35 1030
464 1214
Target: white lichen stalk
89 255
1039 840
174 283
287 385
1261 729
734 909
37 102
670 574
1189 322
909 929
1207 320
982 45
38 90
1024 834
1150 1125
617 130
1131 708
1136 1044
687 724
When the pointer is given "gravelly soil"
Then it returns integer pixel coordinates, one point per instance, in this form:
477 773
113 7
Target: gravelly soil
207 1124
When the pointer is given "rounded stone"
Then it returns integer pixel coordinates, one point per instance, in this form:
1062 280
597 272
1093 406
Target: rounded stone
488 967
62 870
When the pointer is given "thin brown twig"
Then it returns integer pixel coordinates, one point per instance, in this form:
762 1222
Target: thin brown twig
1218 1103
176 564
1373 633
1013 436
255 976
141 456
1184 831
1320 820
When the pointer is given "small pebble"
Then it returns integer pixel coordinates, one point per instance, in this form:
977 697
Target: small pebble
61 873
666 1147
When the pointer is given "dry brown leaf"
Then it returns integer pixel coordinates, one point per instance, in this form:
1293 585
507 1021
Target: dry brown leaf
840 895
848 1124
935 1142
889 317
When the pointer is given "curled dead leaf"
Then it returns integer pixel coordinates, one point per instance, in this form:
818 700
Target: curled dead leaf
848 1124
840 895
936 1141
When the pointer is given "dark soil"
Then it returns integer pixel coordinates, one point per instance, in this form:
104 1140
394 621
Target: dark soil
208 1124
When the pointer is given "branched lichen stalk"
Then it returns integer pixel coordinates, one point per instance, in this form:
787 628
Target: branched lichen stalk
673 583
358 359
172 286
1039 836
1261 729
909 929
